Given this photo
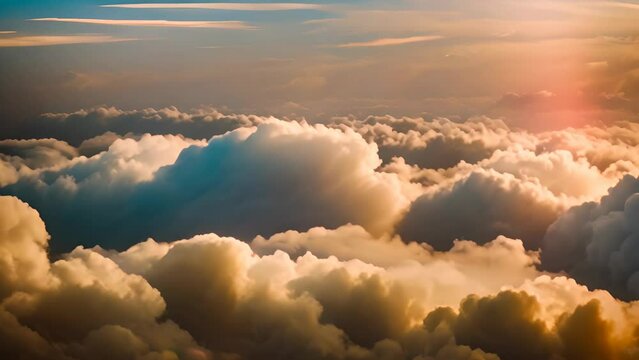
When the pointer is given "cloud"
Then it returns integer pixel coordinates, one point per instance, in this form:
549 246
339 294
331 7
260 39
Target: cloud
214 297
554 318
609 149
436 143
23 244
79 300
480 207
436 278
585 334
100 143
50 40
21 158
8 174
484 322
457 180
496 195
347 303
528 100
226 303
391 41
550 172
345 243
222 6
578 334
37 153
281 175
76 127
233 25
595 242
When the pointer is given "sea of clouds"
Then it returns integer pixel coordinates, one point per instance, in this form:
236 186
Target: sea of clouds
203 235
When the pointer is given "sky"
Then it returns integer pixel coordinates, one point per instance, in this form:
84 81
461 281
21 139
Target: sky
348 180
542 64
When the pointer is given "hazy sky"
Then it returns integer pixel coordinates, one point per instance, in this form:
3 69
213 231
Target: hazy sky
355 180
540 64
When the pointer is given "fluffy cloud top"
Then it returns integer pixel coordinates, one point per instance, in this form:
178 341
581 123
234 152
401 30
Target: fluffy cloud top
480 207
439 143
275 177
78 126
214 297
471 180
597 242
380 238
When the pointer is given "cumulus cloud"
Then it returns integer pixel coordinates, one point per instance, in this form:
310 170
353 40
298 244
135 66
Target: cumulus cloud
214 297
438 278
508 325
611 148
437 143
511 173
479 207
485 323
515 192
275 177
22 249
471 180
596 242
76 127
231 301
49 308
37 153
100 143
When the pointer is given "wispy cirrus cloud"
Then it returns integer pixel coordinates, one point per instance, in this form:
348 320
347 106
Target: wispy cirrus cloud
50 40
391 41
232 25
222 6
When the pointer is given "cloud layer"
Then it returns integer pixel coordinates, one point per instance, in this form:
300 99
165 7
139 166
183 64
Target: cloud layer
596 242
303 176
358 180
436 181
211 297
375 238
76 127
